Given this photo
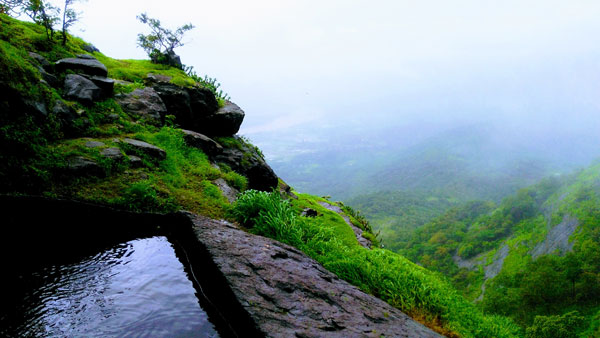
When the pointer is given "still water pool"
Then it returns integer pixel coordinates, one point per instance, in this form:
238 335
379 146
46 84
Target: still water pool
134 289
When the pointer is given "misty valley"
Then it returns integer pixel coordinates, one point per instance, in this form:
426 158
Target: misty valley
512 222
389 169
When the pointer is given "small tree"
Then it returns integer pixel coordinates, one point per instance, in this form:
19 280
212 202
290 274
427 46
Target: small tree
69 18
161 42
44 14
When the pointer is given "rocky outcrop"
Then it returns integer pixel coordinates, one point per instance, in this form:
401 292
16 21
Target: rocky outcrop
79 88
190 106
196 108
225 122
140 147
105 84
145 104
112 153
41 61
557 238
202 142
246 161
287 294
228 191
86 64
81 166
45 68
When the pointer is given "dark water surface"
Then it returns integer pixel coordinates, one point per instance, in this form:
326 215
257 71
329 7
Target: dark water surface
134 289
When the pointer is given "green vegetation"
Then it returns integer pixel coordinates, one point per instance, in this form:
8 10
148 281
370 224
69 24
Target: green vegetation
396 214
536 295
564 326
161 42
548 285
37 148
379 272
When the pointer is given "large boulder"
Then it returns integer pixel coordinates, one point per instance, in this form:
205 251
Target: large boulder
225 122
144 104
247 161
105 84
86 64
204 105
79 88
176 100
191 107
197 108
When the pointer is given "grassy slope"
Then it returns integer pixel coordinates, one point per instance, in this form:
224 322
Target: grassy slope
184 180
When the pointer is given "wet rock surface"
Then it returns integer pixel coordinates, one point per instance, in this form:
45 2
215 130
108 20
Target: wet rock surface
228 191
249 163
288 294
557 238
144 104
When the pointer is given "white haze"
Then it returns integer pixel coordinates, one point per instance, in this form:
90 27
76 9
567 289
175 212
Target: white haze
320 68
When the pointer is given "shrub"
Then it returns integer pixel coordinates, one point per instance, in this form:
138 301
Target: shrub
161 42
564 326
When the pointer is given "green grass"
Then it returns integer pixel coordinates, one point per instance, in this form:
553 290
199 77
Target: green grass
331 218
382 273
136 70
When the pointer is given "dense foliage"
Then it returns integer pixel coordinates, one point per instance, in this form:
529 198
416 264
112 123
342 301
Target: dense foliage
465 241
36 148
396 214
379 272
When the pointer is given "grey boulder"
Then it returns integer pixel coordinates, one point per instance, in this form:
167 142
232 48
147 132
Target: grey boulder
86 64
144 104
202 142
225 122
81 166
79 88
247 161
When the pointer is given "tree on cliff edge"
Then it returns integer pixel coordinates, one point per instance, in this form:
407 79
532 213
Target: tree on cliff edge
159 44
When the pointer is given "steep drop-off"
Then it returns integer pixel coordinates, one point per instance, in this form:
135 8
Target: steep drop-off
137 136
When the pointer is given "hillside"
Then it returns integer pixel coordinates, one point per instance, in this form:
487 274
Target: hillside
133 135
536 253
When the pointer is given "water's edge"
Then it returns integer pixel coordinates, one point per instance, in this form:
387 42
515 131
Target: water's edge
63 224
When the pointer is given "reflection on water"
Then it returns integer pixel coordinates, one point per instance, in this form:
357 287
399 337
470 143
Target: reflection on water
135 289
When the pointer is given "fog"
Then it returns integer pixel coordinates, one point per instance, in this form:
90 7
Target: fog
357 77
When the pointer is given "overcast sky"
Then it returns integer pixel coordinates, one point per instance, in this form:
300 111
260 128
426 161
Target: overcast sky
292 62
